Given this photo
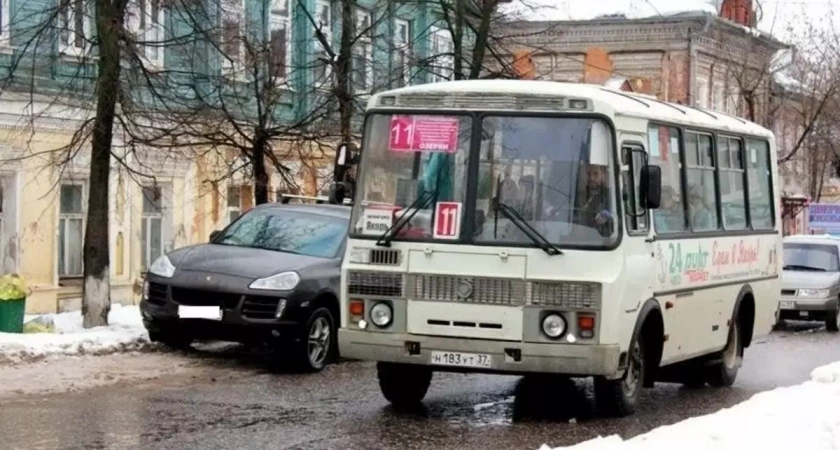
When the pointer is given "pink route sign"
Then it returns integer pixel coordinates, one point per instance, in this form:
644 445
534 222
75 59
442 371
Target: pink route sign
423 134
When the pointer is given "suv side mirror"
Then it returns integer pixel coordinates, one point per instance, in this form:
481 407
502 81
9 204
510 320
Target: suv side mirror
651 186
214 235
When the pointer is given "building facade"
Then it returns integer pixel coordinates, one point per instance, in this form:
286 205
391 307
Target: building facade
44 183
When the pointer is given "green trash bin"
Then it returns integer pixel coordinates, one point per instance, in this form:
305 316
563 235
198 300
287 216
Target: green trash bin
11 315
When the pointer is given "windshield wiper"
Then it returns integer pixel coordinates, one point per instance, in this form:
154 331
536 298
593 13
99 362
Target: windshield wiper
390 233
808 268
526 228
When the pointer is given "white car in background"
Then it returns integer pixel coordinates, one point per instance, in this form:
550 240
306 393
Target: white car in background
811 280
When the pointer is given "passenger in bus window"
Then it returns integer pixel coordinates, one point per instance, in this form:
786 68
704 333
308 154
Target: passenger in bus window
593 207
701 216
669 217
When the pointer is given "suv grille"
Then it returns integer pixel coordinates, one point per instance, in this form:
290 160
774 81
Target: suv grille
196 297
259 307
157 293
445 288
378 284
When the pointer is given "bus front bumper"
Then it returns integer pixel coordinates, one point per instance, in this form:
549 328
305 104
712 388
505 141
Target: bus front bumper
504 357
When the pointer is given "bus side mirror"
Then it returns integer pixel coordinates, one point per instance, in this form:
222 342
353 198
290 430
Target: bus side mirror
651 186
214 235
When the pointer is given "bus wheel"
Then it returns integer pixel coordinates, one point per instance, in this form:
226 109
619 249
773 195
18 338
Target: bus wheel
403 385
620 397
723 373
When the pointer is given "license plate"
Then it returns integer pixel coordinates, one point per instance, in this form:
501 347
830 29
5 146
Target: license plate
787 305
461 359
200 312
803 313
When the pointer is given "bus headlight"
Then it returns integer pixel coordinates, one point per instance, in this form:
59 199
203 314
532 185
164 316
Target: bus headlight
554 325
381 315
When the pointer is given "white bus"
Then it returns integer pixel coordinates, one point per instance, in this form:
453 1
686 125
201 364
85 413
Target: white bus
522 227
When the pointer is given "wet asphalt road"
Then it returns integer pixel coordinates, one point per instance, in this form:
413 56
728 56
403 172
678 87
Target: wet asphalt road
241 405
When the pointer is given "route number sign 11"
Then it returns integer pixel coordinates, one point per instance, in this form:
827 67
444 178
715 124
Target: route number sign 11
447 220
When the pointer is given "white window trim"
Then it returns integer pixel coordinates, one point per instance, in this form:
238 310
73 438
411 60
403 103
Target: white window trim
5 30
281 13
702 100
82 216
718 98
232 64
441 64
152 33
404 47
229 209
326 29
365 43
70 49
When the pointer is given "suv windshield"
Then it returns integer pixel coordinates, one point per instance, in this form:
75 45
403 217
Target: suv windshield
555 173
811 257
284 231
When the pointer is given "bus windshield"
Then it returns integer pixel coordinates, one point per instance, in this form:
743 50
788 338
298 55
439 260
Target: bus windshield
553 173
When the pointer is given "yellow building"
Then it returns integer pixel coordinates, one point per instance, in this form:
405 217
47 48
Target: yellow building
43 197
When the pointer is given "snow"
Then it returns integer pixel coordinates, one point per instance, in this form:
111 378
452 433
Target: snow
803 416
124 332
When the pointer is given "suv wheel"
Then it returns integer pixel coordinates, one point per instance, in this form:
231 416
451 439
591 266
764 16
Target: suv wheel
175 340
832 319
316 346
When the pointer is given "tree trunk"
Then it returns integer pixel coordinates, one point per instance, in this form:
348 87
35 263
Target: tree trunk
343 91
96 292
261 180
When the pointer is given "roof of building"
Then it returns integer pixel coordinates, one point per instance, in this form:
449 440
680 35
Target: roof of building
622 103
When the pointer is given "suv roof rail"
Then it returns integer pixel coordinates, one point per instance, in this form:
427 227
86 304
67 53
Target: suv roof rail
285 198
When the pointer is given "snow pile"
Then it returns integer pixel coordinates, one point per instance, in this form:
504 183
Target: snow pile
125 332
804 416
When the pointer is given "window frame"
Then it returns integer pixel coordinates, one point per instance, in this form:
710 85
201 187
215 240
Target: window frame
721 171
280 18
715 180
364 41
70 48
62 221
146 219
772 181
403 49
436 74
320 51
631 217
229 63
5 23
150 32
229 209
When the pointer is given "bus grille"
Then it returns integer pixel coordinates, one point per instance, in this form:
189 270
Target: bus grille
444 288
375 284
565 295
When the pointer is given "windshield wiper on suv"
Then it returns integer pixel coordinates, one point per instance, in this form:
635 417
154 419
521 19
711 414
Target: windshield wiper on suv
808 268
420 202
526 228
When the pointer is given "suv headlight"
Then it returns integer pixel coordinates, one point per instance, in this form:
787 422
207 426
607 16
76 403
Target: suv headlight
162 267
285 281
813 293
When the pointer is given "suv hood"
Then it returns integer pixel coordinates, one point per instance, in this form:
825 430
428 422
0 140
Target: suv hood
795 279
238 261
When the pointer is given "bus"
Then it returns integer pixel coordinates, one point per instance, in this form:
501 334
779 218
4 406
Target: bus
527 227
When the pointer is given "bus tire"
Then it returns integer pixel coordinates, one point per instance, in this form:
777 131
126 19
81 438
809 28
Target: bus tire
619 398
724 372
403 385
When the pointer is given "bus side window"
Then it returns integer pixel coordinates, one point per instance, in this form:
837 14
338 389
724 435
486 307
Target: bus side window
637 215
664 151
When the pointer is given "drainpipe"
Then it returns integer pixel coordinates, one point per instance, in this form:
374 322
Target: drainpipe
692 53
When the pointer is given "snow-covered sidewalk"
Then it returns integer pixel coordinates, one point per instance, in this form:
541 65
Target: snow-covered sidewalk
125 332
806 416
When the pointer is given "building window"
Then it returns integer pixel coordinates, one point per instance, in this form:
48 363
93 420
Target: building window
234 202
702 93
323 18
363 52
700 177
733 101
70 230
442 55
732 195
4 22
146 21
402 52
151 240
74 27
232 16
718 98
664 151
280 36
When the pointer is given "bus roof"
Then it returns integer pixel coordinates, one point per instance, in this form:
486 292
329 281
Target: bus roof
489 94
